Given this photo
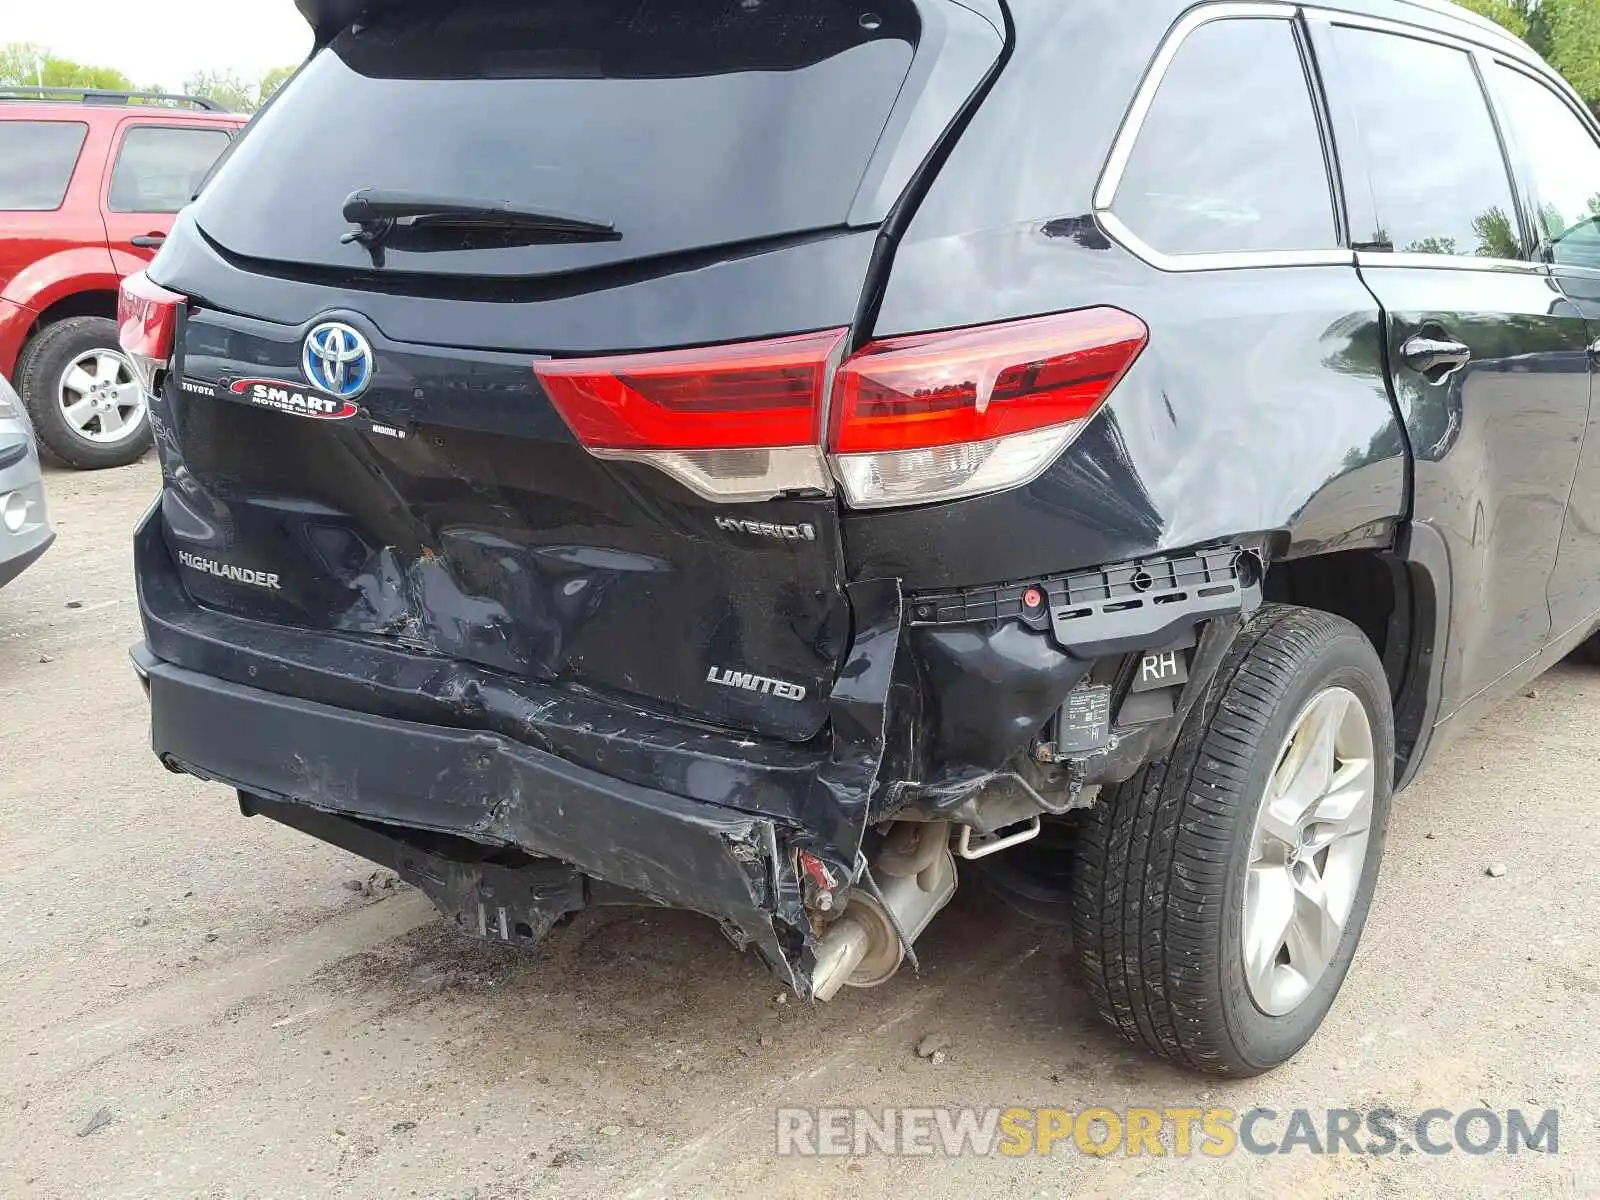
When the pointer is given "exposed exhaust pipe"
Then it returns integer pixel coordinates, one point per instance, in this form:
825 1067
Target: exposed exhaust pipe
864 947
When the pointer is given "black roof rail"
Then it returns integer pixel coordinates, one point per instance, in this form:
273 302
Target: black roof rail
103 96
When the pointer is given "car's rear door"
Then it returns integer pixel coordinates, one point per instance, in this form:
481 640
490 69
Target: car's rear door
1487 357
1555 144
154 170
42 213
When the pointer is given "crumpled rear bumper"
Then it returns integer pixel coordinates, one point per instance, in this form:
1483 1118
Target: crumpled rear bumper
492 792
819 790
379 786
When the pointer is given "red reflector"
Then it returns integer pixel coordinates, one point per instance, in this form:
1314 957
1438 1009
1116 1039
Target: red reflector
147 317
975 385
748 395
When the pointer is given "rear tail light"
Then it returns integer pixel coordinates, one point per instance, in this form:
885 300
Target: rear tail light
147 321
914 419
944 415
739 422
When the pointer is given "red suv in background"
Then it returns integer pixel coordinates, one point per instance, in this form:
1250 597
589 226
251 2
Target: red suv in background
89 183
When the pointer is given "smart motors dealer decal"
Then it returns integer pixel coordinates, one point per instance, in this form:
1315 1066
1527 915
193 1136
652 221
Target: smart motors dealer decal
294 399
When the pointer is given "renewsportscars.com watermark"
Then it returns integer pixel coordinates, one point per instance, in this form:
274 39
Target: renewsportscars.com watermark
1157 1132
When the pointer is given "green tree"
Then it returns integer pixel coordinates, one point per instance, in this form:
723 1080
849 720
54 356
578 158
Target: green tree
228 88
235 92
271 81
1513 14
1497 236
1567 33
24 64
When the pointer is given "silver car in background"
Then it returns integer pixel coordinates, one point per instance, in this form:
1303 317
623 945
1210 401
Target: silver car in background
25 531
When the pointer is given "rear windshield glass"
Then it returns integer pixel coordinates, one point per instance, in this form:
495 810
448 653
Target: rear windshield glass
682 123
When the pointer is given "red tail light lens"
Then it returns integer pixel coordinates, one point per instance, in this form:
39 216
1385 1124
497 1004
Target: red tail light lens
942 416
976 385
914 419
746 396
147 317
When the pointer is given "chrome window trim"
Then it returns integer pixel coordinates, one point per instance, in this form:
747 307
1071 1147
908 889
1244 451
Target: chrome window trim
1551 83
1570 269
1116 165
1425 33
1227 260
1493 33
1448 262
1486 51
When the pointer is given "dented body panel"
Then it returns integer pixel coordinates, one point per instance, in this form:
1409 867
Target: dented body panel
456 513
425 623
664 849
819 790
1260 405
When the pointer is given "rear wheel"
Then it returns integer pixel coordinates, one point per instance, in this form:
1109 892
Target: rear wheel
1219 895
1035 878
87 404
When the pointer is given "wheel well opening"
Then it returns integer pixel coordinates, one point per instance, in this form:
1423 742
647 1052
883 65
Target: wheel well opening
79 304
1390 600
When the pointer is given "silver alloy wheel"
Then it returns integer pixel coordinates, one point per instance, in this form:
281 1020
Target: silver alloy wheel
101 398
1308 851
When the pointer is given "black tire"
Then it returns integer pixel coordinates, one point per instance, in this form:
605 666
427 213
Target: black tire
39 372
1035 878
1161 861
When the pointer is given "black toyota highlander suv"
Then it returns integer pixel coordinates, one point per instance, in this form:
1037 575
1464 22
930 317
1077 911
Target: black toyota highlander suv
746 455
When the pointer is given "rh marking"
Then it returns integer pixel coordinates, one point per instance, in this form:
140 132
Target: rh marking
1158 666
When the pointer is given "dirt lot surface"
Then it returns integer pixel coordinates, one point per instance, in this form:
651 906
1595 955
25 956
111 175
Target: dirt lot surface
196 1004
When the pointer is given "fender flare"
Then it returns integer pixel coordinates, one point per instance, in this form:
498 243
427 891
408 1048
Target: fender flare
56 276
1421 552
41 284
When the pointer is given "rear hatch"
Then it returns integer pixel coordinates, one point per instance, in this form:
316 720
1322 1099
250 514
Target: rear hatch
355 434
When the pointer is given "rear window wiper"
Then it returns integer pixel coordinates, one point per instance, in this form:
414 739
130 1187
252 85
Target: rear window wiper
426 220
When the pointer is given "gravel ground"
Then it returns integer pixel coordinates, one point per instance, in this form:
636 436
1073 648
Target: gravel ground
196 1004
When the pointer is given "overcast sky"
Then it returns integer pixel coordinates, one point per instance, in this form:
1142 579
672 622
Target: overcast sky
163 41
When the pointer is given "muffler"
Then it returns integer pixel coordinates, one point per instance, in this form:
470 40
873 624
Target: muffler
867 944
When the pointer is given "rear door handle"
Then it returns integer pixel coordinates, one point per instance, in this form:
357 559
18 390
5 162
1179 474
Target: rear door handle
1435 359
148 241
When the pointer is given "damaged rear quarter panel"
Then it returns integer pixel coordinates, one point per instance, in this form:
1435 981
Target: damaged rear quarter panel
1259 406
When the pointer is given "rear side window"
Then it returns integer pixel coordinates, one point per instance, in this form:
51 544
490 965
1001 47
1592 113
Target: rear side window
1564 161
1438 176
683 124
36 161
159 169
1229 158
